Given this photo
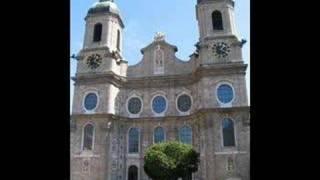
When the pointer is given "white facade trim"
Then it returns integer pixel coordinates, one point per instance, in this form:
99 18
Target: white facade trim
127 107
86 155
187 112
230 152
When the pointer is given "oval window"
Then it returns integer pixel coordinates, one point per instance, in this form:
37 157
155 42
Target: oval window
90 101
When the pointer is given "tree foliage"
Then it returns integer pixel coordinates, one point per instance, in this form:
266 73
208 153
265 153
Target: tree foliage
170 160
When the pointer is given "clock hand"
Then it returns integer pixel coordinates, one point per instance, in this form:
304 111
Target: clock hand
222 50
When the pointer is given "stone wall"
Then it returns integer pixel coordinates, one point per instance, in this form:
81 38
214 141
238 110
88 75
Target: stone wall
203 94
172 65
110 26
110 156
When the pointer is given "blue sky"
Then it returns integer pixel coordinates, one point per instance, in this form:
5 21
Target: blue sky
143 18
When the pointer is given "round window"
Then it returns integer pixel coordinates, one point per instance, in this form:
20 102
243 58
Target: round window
134 105
225 93
184 103
159 104
90 101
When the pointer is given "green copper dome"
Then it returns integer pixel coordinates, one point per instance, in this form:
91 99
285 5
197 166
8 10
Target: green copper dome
104 6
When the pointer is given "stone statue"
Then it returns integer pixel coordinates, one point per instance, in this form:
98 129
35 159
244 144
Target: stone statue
159 36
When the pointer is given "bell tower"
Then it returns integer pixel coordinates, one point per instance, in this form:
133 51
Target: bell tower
100 60
219 39
216 18
102 46
104 26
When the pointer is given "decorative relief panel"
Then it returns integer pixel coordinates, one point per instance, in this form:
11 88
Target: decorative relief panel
158 60
85 165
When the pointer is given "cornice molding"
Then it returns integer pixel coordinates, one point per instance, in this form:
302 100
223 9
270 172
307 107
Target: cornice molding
107 13
229 2
196 114
208 40
204 70
112 54
99 78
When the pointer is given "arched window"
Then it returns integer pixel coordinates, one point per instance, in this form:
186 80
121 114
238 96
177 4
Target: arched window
185 135
97 32
217 20
133 140
228 132
118 40
158 135
133 173
88 137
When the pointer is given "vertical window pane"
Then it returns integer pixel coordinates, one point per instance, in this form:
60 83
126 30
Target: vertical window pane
158 135
186 135
88 137
228 133
134 140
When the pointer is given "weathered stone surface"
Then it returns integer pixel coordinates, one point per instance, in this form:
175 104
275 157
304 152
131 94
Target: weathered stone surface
160 72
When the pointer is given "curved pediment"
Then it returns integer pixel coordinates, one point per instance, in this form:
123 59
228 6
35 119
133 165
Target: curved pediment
161 43
159 59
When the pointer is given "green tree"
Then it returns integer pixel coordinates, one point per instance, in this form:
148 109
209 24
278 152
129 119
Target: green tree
170 160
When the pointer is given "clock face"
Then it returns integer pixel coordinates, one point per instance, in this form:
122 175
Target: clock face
94 61
221 49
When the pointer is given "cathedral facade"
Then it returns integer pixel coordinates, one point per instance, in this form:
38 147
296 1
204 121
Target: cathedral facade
120 110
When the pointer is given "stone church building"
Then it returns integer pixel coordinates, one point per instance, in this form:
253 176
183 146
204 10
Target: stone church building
119 110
